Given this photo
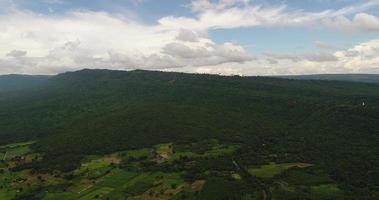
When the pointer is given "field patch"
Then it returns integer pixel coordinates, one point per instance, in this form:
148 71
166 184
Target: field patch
164 150
272 169
19 144
325 191
97 194
209 150
306 176
197 186
134 155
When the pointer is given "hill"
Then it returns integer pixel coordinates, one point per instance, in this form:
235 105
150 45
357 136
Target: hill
365 78
19 82
271 120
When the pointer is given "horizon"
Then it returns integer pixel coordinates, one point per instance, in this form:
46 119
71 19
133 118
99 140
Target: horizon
196 73
227 37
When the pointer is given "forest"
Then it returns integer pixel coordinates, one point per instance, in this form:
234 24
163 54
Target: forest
256 137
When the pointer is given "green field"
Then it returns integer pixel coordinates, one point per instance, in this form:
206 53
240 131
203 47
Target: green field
326 191
128 174
13 150
272 169
214 151
19 144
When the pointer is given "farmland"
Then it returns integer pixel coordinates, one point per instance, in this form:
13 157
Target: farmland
164 171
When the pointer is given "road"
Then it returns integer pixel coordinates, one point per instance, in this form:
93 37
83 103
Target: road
266 195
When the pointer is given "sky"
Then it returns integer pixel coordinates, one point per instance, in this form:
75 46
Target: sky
228 37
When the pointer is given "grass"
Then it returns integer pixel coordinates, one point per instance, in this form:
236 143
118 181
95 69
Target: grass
97 165
117 178
16 151
164 150
59 196
236 176
138 188
2 155
272 169
221 150
7 195
10 151
97 193
14 145
325 191
307 176
139 153
147 177
7 181
217 150
164 186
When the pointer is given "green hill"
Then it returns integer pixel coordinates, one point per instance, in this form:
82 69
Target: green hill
88 112
18 82
364 78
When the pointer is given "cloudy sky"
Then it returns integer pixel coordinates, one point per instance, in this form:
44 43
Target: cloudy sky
246 37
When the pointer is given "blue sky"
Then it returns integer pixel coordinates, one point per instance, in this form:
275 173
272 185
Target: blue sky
203 36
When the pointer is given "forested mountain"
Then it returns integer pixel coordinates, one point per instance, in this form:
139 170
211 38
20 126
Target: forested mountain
19 82
330 124
365 78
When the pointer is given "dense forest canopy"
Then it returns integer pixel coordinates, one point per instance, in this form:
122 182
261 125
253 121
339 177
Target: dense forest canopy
9 83
329 123
365 78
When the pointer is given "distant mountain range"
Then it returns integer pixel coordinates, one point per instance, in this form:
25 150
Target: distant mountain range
16 82
365 78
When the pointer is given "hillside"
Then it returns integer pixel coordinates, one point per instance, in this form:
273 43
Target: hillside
364 78
98 112
18 82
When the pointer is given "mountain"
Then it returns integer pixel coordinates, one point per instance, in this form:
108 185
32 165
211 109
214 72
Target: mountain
364 78
19 82
331 124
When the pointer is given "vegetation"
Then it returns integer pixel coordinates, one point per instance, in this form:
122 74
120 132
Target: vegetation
112 134
272 169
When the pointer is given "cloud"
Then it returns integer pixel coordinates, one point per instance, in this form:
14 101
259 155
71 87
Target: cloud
207 54
187 36
85 39
362 58
228 14
16 53
361 22
313 57
49 44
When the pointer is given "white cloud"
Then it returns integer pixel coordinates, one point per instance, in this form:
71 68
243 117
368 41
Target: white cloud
313 57
187 36
39 44
100 40
362 58
226 14
361 22
16 53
